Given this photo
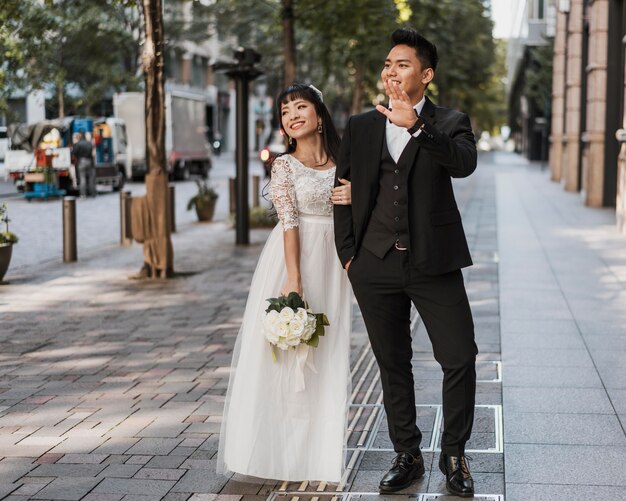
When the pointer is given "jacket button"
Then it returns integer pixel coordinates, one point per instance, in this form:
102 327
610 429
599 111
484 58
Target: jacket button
396 218
395 202
397 171
395 187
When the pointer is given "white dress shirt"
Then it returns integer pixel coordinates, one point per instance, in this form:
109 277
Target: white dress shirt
398 137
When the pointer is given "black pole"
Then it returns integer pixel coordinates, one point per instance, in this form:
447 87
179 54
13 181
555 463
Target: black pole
242 72
241 199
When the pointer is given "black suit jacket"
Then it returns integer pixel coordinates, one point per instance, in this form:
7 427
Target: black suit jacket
445 148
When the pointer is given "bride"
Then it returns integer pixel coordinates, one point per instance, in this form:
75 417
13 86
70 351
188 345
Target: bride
286 419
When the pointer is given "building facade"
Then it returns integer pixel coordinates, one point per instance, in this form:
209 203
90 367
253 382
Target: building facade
587 148
528 98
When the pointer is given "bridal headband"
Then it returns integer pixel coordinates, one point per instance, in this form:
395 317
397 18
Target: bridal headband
318 92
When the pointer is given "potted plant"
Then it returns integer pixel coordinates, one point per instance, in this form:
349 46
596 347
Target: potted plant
7 239
204 201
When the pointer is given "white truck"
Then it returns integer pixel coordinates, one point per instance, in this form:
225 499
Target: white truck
187 148
112 162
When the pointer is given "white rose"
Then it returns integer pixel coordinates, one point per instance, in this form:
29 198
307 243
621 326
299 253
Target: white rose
271 335
282 344
302 315
286 314
271 318
292 340
296 327
282 329
309 327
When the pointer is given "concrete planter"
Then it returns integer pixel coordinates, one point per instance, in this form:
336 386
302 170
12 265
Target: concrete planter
5 258
207 210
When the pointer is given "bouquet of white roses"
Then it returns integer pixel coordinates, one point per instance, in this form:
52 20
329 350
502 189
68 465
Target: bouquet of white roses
289 322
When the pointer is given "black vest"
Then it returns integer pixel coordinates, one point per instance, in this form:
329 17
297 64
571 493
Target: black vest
389 222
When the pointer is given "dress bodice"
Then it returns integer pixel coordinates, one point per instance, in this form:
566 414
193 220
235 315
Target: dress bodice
297 189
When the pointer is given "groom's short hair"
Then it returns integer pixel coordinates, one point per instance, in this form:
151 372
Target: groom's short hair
425 50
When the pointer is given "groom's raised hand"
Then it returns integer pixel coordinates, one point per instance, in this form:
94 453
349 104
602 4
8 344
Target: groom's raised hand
402 114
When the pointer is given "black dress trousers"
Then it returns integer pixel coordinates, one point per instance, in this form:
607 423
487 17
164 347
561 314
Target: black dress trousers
384 289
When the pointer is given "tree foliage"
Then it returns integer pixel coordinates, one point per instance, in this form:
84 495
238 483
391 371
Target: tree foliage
538 75
91 47
79 50
341 46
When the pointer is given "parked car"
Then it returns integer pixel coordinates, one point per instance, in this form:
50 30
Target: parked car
276 145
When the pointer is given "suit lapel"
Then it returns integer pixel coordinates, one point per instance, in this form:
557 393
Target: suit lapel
372 153
410 151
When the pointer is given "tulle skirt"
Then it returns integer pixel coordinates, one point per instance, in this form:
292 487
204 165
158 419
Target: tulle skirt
271 429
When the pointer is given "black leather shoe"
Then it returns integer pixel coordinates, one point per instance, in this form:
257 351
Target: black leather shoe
405 469
459 480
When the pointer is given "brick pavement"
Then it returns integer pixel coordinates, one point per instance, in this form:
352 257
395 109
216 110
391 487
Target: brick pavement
112 389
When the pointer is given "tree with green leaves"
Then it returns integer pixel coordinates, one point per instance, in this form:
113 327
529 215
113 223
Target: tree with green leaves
462 32
88 46
341 45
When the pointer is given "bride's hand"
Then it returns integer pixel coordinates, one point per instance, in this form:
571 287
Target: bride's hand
342 195
291 286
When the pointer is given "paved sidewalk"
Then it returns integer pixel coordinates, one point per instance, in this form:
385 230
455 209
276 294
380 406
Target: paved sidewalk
112 389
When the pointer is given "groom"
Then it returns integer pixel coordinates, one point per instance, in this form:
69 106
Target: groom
402 241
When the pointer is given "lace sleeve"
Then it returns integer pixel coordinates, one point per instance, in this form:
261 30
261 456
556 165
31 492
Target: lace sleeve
284 193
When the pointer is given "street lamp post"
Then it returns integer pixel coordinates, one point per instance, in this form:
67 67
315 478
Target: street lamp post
242 71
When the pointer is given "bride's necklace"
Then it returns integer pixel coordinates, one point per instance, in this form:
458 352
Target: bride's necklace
321 163
316 164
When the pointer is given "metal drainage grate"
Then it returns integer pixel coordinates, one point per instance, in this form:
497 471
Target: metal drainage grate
366 496
486 437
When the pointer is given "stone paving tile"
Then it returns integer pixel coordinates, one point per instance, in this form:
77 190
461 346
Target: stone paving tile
68 488
154 446
7 488
564 429
11 469
67 470
83 458
160 473
134 486
560 400
200 481
120 470
549 492
92 496
541 464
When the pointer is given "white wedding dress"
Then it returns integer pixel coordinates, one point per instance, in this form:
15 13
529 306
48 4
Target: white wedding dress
273 426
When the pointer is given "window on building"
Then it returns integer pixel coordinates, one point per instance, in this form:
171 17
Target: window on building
198 71
536 10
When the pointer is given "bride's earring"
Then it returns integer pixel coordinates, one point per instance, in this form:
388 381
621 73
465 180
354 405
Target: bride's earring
319 128
290 141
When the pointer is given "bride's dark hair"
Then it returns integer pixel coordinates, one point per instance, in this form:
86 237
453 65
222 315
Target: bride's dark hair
330 138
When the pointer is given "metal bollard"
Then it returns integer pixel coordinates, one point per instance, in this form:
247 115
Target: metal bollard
69 230
256 181
126 234
173 207
233 194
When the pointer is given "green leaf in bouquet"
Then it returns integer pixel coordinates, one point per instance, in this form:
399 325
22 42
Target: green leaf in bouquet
276 304
314 340
294 301
319 330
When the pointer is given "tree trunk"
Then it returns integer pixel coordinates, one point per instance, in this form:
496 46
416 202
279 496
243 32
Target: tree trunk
158 250
289 42
61 97
357 95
